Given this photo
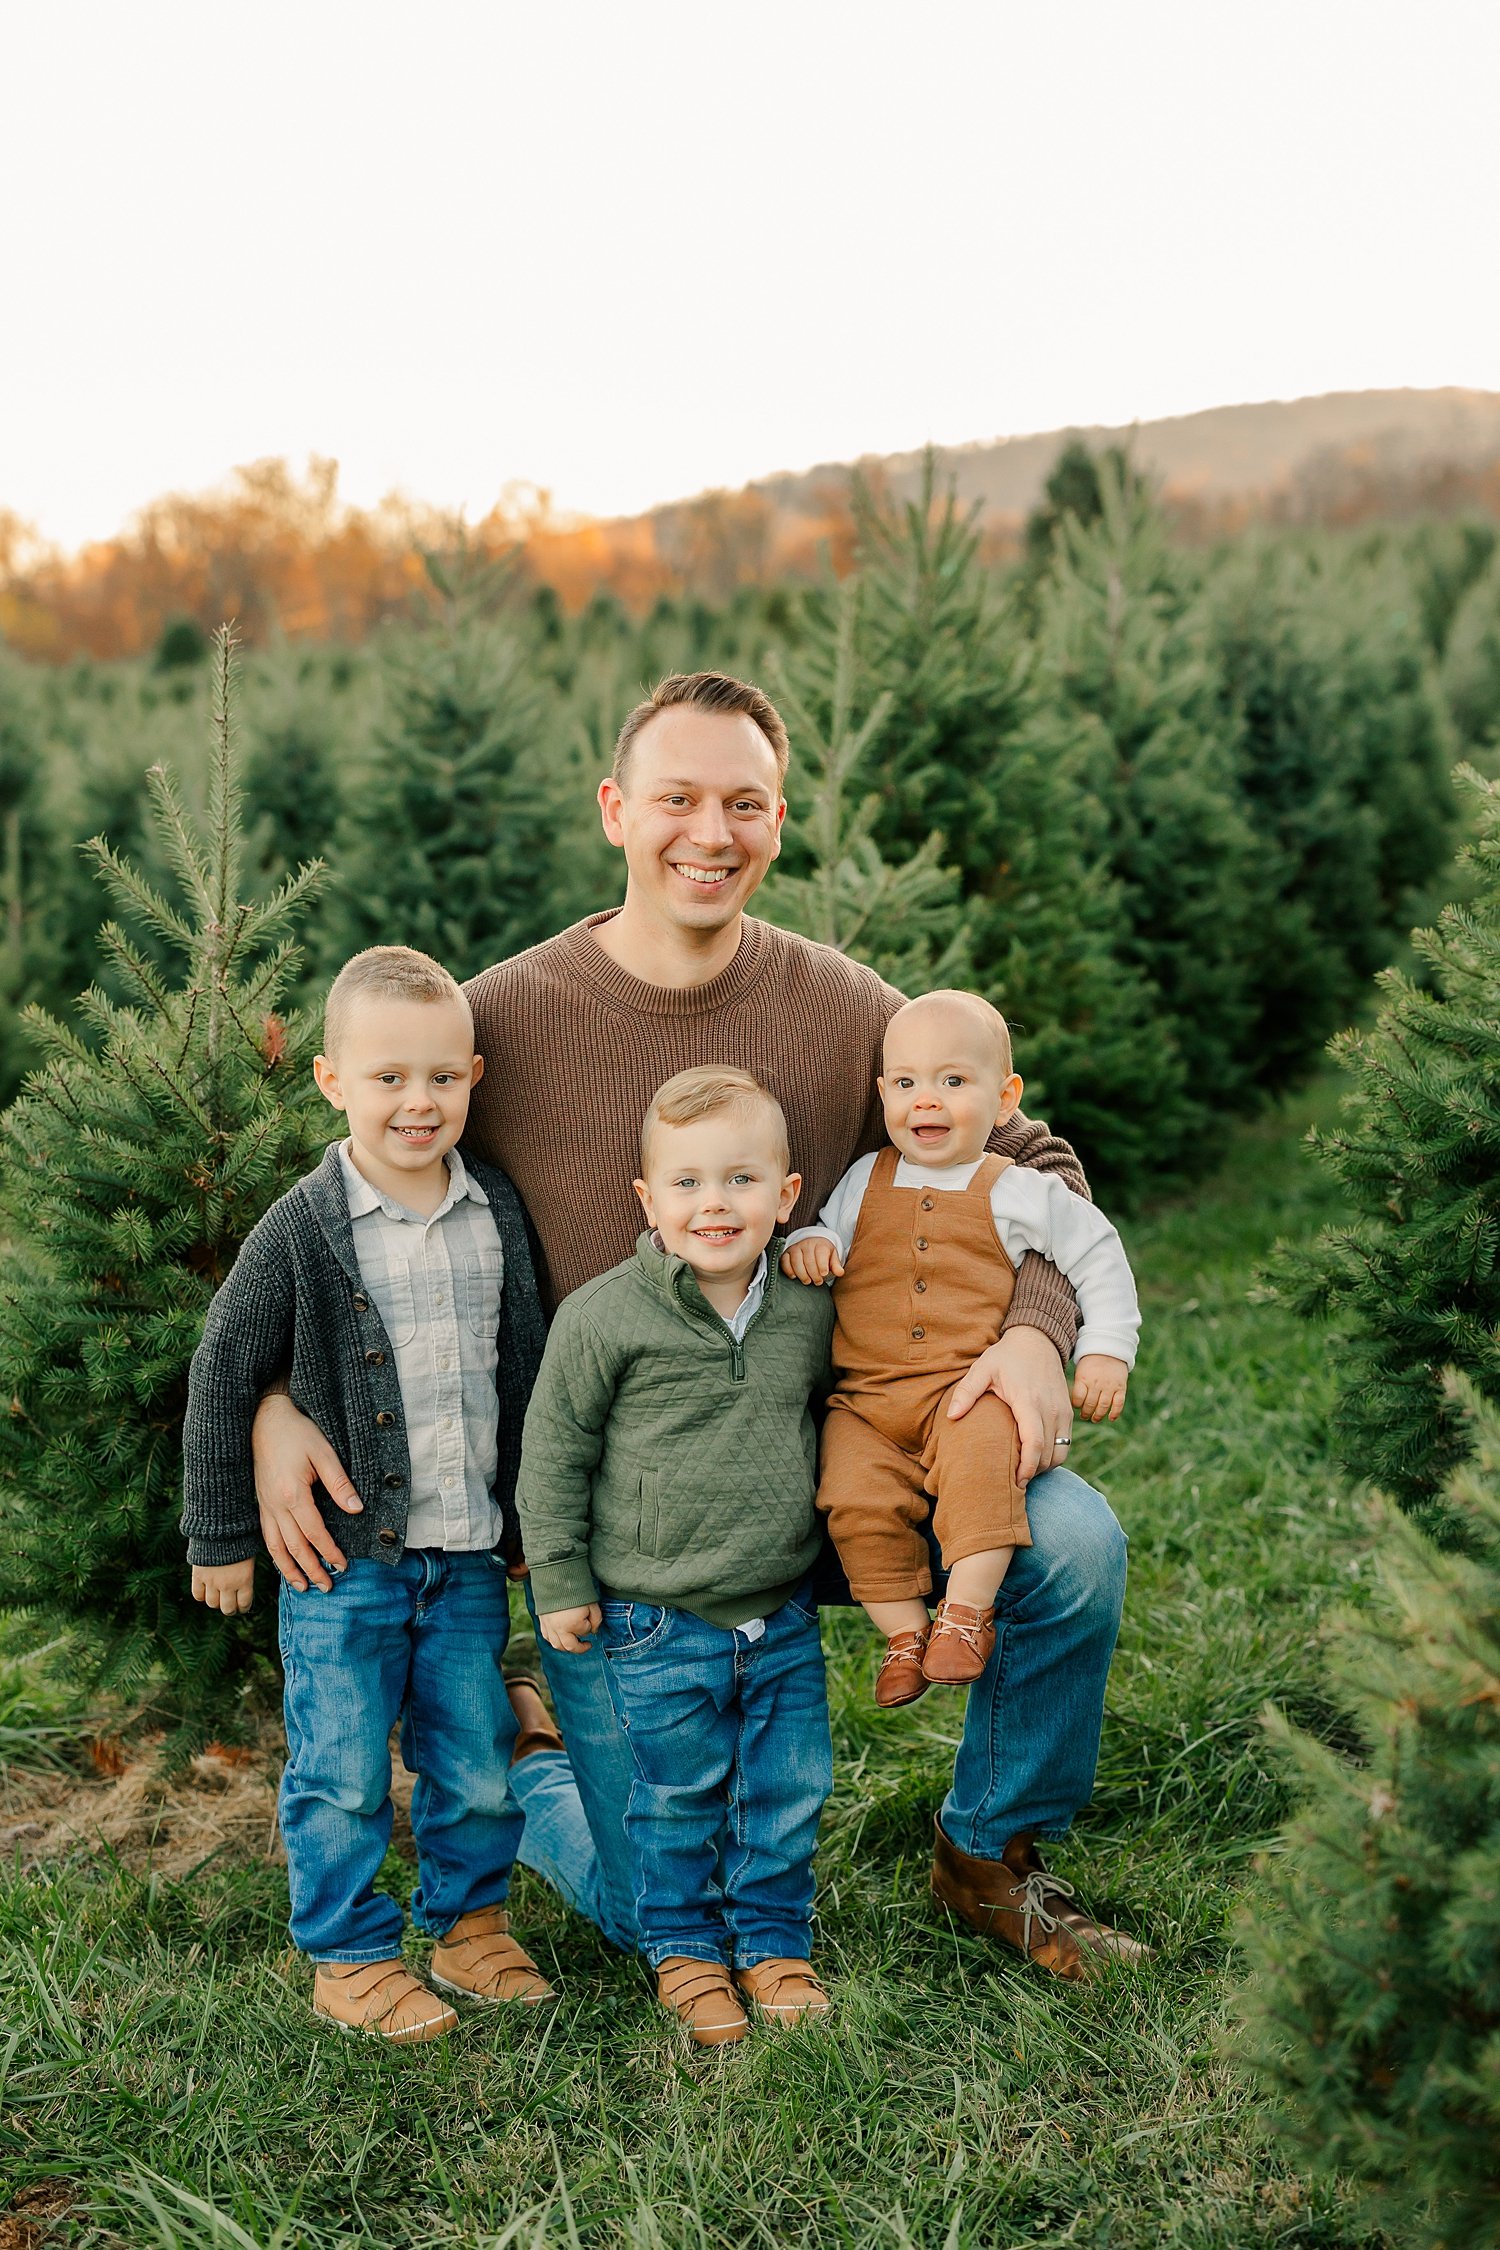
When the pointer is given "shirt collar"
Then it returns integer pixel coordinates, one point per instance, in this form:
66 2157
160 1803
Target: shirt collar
365 1197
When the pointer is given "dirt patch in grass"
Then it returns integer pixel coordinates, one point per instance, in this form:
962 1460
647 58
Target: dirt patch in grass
153 1820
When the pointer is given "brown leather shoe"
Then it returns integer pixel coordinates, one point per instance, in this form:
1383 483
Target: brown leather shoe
960 1644
538 1728
479 1958
784 1991
703 2000
382 1998
900 1678
1014 1898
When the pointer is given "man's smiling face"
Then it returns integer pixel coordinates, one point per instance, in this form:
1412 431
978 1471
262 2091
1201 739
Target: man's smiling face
698 816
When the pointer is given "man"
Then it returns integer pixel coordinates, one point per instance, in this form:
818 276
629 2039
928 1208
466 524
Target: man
577 1035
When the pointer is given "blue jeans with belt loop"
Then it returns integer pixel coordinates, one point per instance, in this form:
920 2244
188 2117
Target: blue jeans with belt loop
420 1640
729 1742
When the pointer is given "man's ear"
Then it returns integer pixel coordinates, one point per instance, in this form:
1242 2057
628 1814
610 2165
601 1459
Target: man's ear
611 800
791 1188
644 1193
780 824
1010 1098
328 1081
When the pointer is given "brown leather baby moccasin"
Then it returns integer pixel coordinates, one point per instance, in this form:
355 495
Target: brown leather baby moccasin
960 1644
784 1991
900 1678
701 1997
479 1958
382 1998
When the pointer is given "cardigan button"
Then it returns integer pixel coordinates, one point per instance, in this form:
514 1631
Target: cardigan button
383 1420
393 1480
919 1333
361 1301
387 1537
374 1359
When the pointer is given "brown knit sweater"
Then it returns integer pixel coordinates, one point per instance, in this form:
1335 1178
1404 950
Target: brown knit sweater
575 1047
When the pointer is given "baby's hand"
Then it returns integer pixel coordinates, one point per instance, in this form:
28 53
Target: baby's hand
569 1629
1099 1387
229 1587
814 1261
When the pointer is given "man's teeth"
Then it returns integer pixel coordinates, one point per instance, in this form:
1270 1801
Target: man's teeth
705 875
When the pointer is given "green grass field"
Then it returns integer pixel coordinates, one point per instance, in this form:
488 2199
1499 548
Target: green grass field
157 2054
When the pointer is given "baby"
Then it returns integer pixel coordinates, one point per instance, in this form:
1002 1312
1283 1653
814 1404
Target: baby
923 1240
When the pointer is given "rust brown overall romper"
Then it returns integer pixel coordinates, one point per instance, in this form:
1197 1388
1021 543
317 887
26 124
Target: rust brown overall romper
926 1285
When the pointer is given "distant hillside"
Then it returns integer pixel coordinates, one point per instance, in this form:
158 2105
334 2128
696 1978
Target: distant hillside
1288 458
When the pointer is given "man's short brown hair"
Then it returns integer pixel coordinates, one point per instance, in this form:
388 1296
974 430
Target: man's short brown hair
706 691
385 972
704 1092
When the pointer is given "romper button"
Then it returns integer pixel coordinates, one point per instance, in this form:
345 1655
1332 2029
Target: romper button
361 1301
921 1285
919 1333
383 1420
394 1479
927 1204
387 1537
921 1242
374 1359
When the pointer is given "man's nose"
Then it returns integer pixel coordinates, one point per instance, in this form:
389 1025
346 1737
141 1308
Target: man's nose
711 829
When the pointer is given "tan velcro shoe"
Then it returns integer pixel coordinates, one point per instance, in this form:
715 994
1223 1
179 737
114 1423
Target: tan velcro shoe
702 1998
1014 1898
901 1678
960 1644
382 1998
479 1958
784 1991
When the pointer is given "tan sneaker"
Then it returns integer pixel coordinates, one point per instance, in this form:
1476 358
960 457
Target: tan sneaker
479 1958
961 1643
701 1997
784 1991
382 1998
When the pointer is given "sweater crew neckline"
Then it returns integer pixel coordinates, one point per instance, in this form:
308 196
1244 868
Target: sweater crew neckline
586 958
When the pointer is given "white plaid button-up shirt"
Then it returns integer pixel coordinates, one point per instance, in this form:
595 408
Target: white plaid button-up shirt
436 1285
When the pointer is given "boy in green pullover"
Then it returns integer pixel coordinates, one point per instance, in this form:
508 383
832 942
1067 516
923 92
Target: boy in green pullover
666 1497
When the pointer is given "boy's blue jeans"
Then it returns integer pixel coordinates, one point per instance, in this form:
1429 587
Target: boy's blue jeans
1030 1730
419 1640
732 1766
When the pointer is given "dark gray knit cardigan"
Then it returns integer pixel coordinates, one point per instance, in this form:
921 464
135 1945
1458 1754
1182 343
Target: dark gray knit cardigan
294 1305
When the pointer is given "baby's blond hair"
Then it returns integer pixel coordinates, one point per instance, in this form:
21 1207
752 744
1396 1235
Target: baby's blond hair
704 1092
385 972
976 1004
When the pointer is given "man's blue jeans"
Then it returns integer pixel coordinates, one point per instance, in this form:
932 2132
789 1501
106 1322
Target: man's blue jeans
732 1767
419 1640
1031 1724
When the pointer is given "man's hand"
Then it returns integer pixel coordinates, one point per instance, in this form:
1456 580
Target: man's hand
1099 1386
569 1629
1024 1370
228 1587
814 1261
291 1456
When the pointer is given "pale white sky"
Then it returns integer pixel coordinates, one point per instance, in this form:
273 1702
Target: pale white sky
630 251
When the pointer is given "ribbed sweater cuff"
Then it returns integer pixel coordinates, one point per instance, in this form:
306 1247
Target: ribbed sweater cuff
213 1554
1044 1299
563 1585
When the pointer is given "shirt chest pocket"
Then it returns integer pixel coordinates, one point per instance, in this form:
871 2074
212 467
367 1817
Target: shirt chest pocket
484 1277
396 1302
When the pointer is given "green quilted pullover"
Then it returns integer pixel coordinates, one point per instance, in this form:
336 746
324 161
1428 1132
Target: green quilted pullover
662 1460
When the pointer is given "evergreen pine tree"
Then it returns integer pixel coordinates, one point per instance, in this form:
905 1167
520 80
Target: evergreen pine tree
1415 1281
132 1166
457 836
1471 660
1373 2012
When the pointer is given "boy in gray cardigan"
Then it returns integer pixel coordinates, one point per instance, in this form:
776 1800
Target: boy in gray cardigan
393 1290
666 1501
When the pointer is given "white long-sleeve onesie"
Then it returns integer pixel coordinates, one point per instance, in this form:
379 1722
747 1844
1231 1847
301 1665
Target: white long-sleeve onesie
1033 1211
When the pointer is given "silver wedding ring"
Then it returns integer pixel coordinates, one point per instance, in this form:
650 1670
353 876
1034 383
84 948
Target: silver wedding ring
1062 1441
